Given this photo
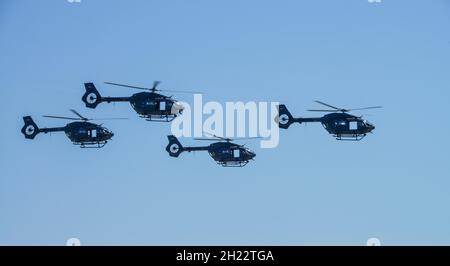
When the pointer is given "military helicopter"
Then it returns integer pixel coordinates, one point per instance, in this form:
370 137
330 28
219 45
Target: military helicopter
82 132
339 123
149 105
224 152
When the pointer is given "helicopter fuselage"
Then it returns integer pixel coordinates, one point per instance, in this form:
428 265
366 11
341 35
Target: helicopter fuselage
343 126
339 123
346 125
224 153
83 133
87 133
150 103
230 154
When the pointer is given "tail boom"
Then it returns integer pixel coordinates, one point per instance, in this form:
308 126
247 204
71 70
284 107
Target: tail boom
174 148
92 97
307 120
285 118
30 129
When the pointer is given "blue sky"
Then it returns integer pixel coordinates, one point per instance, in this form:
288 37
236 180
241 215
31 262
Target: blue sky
312 189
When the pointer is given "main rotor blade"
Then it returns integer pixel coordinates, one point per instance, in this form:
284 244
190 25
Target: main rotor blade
155 84
78 114
111 118
127 86
316 110
222 138
226 139
247 138
191 92
365 108
331 106
61 117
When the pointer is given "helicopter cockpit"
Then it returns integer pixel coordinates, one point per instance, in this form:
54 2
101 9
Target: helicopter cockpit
368 125
104 131
247 153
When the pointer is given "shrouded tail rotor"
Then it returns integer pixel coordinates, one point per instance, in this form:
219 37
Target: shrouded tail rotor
284 118
30 129
174 148
91 97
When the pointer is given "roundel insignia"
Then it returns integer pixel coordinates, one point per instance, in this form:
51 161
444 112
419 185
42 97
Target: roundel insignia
30 130
283 119
174 148
91 98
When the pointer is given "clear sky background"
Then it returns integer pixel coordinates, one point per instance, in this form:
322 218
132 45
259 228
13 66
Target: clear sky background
312 189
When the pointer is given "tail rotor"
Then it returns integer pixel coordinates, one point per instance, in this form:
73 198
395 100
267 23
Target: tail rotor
91 97
30 129
174 148
284 118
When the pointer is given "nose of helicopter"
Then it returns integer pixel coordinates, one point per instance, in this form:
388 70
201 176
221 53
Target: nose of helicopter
177 108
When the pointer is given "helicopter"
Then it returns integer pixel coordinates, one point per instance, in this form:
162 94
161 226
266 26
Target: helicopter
339 123
149 105
224 152
81 132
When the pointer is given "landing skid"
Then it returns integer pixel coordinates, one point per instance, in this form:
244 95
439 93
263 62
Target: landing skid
91 145
159 118
233 163
350 137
